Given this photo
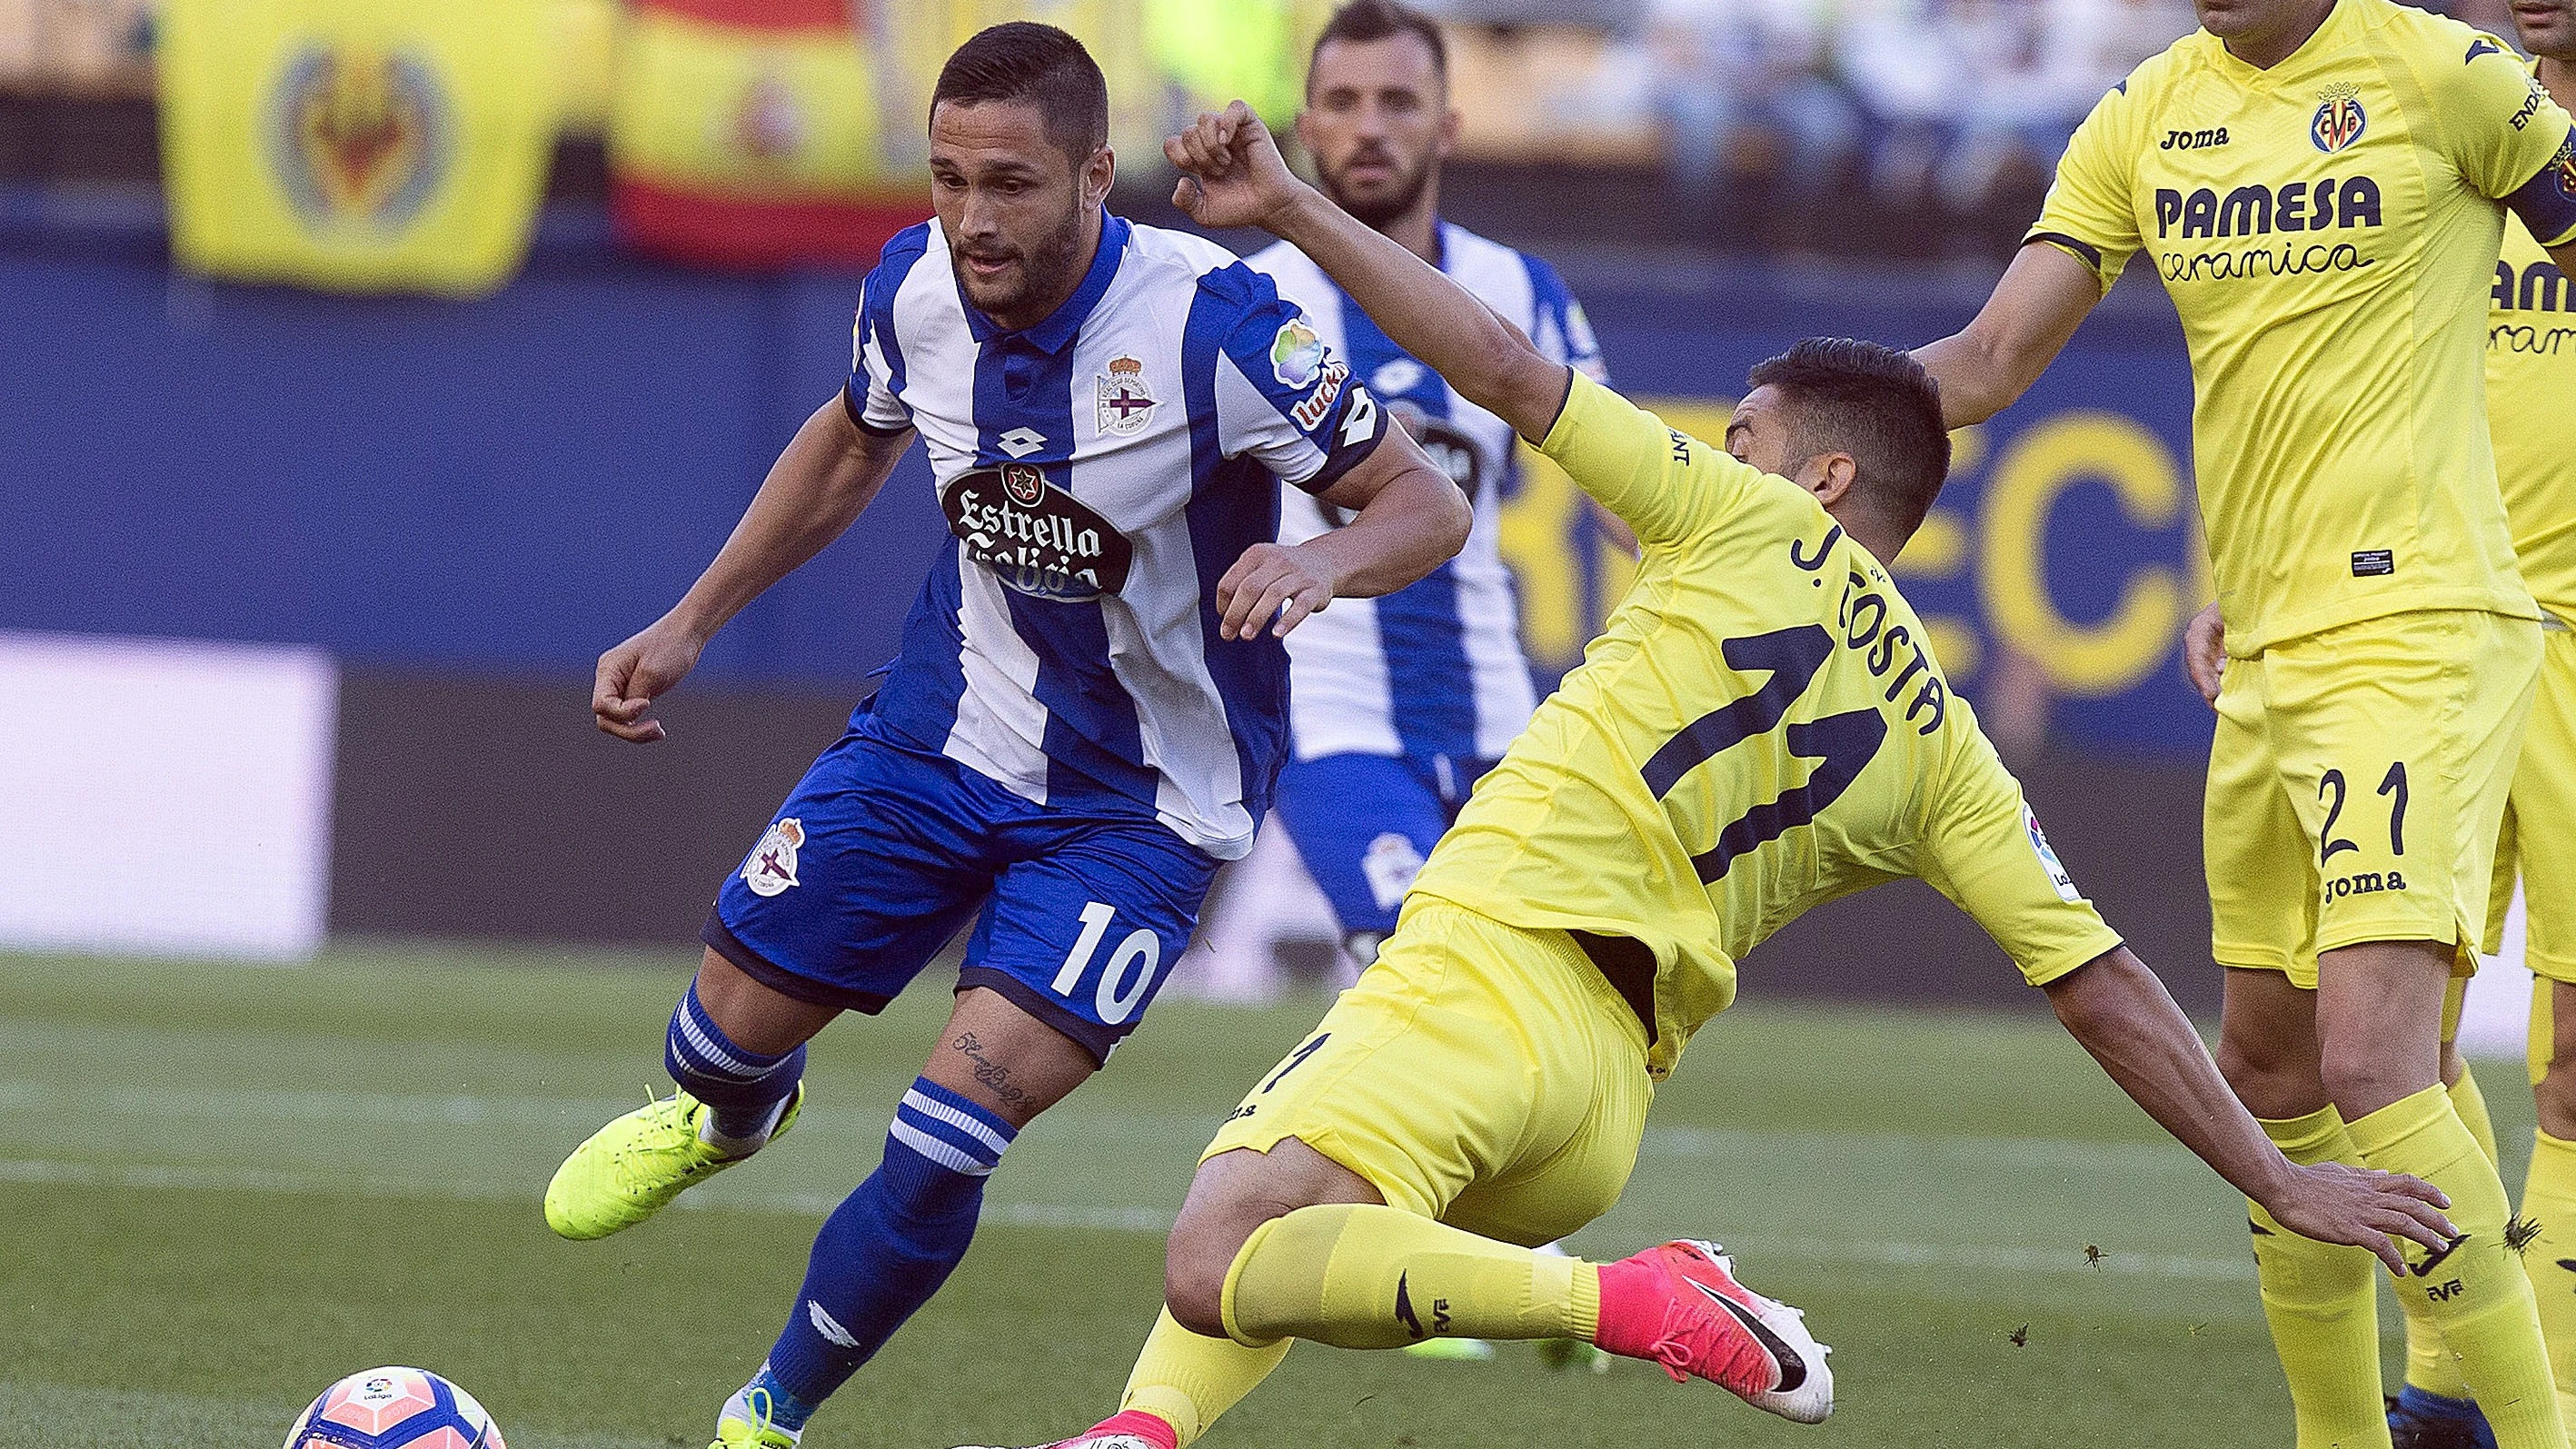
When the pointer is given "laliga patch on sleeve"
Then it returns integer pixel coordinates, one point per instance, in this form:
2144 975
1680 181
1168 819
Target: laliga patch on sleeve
2048 860
2373 563
1296 354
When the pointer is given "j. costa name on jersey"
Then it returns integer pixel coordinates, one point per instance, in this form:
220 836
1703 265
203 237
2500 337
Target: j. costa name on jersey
1037 538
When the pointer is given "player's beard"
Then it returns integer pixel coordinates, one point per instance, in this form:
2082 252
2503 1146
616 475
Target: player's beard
1380 208
1046 270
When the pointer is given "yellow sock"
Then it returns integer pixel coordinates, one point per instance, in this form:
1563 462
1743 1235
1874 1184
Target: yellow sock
2475 1288
2430 1364
1364 1276
1187 1379
2323 1311
2549 1203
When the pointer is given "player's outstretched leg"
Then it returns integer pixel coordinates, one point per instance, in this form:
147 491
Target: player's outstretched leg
732 1101
1367 1276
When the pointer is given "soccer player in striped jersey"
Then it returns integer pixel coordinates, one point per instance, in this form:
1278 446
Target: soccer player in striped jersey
2531 374
1088 710
2323 185
1400 703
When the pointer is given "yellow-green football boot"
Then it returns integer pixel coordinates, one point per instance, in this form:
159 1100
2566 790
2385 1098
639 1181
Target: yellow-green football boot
633 1167
745 1424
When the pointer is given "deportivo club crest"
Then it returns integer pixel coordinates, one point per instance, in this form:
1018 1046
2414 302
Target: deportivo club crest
359 136
771 867
2340 120
1126 403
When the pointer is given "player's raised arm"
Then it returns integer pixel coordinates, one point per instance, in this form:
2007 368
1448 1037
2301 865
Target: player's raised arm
1234 176
2044 296
821 482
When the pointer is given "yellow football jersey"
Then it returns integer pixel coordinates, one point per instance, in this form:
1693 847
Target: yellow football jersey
1761 727
2531 384
2328 229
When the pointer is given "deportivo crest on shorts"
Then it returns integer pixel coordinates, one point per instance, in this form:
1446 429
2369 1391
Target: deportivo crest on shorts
2340 119
771 866
1126 403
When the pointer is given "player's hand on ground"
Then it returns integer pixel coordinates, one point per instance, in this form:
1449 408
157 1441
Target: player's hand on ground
1284 581
1231 171
2204 652
634 673
2336 1203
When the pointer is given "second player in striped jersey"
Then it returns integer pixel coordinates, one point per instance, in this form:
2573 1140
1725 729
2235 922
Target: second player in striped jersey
1400 703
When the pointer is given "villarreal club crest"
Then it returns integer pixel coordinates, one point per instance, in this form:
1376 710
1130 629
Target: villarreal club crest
359 136
2340 120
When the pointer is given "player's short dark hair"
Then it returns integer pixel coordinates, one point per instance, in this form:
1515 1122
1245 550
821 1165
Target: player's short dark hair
1040 65
1840 395
1365 20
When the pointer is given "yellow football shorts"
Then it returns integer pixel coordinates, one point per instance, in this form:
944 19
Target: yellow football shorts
2357 782
1479 1074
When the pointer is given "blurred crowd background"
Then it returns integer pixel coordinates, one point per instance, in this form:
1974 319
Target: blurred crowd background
1897 128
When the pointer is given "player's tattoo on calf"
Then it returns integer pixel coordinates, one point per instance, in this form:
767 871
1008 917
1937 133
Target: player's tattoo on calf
988 1071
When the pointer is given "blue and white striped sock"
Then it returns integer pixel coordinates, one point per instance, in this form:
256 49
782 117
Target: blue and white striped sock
745 1091
886 1249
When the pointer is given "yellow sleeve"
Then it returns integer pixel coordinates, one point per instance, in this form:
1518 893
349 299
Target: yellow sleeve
1985 851
2509 139
2091 213
1665 484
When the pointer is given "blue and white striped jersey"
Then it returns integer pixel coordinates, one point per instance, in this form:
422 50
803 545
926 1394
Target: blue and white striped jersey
1436 669
1100 472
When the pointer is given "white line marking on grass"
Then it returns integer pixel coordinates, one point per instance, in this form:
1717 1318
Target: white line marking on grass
1947 1257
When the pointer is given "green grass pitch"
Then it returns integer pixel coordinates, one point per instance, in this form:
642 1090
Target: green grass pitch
222 1187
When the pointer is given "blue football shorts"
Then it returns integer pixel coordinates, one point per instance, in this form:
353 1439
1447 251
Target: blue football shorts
1363 824
884 850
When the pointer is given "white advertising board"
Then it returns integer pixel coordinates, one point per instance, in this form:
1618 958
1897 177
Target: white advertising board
162 797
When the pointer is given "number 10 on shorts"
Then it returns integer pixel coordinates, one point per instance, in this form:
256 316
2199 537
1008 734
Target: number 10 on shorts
1127 977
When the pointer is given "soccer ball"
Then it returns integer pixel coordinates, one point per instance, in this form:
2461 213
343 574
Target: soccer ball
394 1408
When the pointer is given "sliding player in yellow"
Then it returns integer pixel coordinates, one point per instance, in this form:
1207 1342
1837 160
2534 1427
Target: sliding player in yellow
2323 186
1760 729
2531 378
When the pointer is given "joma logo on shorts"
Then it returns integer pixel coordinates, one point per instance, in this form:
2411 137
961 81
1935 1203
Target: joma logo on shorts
2364 883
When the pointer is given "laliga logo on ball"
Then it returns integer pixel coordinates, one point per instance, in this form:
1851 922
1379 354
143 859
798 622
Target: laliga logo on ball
394 1408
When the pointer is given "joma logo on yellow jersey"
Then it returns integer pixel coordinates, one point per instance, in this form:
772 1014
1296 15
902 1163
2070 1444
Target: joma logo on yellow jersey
2260 210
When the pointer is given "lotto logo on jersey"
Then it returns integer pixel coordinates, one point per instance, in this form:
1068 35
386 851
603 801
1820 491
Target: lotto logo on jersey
771 866
2340 119
2056 868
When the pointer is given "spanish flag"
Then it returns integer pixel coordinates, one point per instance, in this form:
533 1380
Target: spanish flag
748 133
360 145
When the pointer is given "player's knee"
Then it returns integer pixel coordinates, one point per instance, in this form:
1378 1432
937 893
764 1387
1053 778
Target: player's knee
2270 1080
1195 1263
2363 1076
1229 1201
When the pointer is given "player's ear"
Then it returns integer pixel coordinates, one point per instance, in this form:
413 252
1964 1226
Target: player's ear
1829 476
1450 121
1098 175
